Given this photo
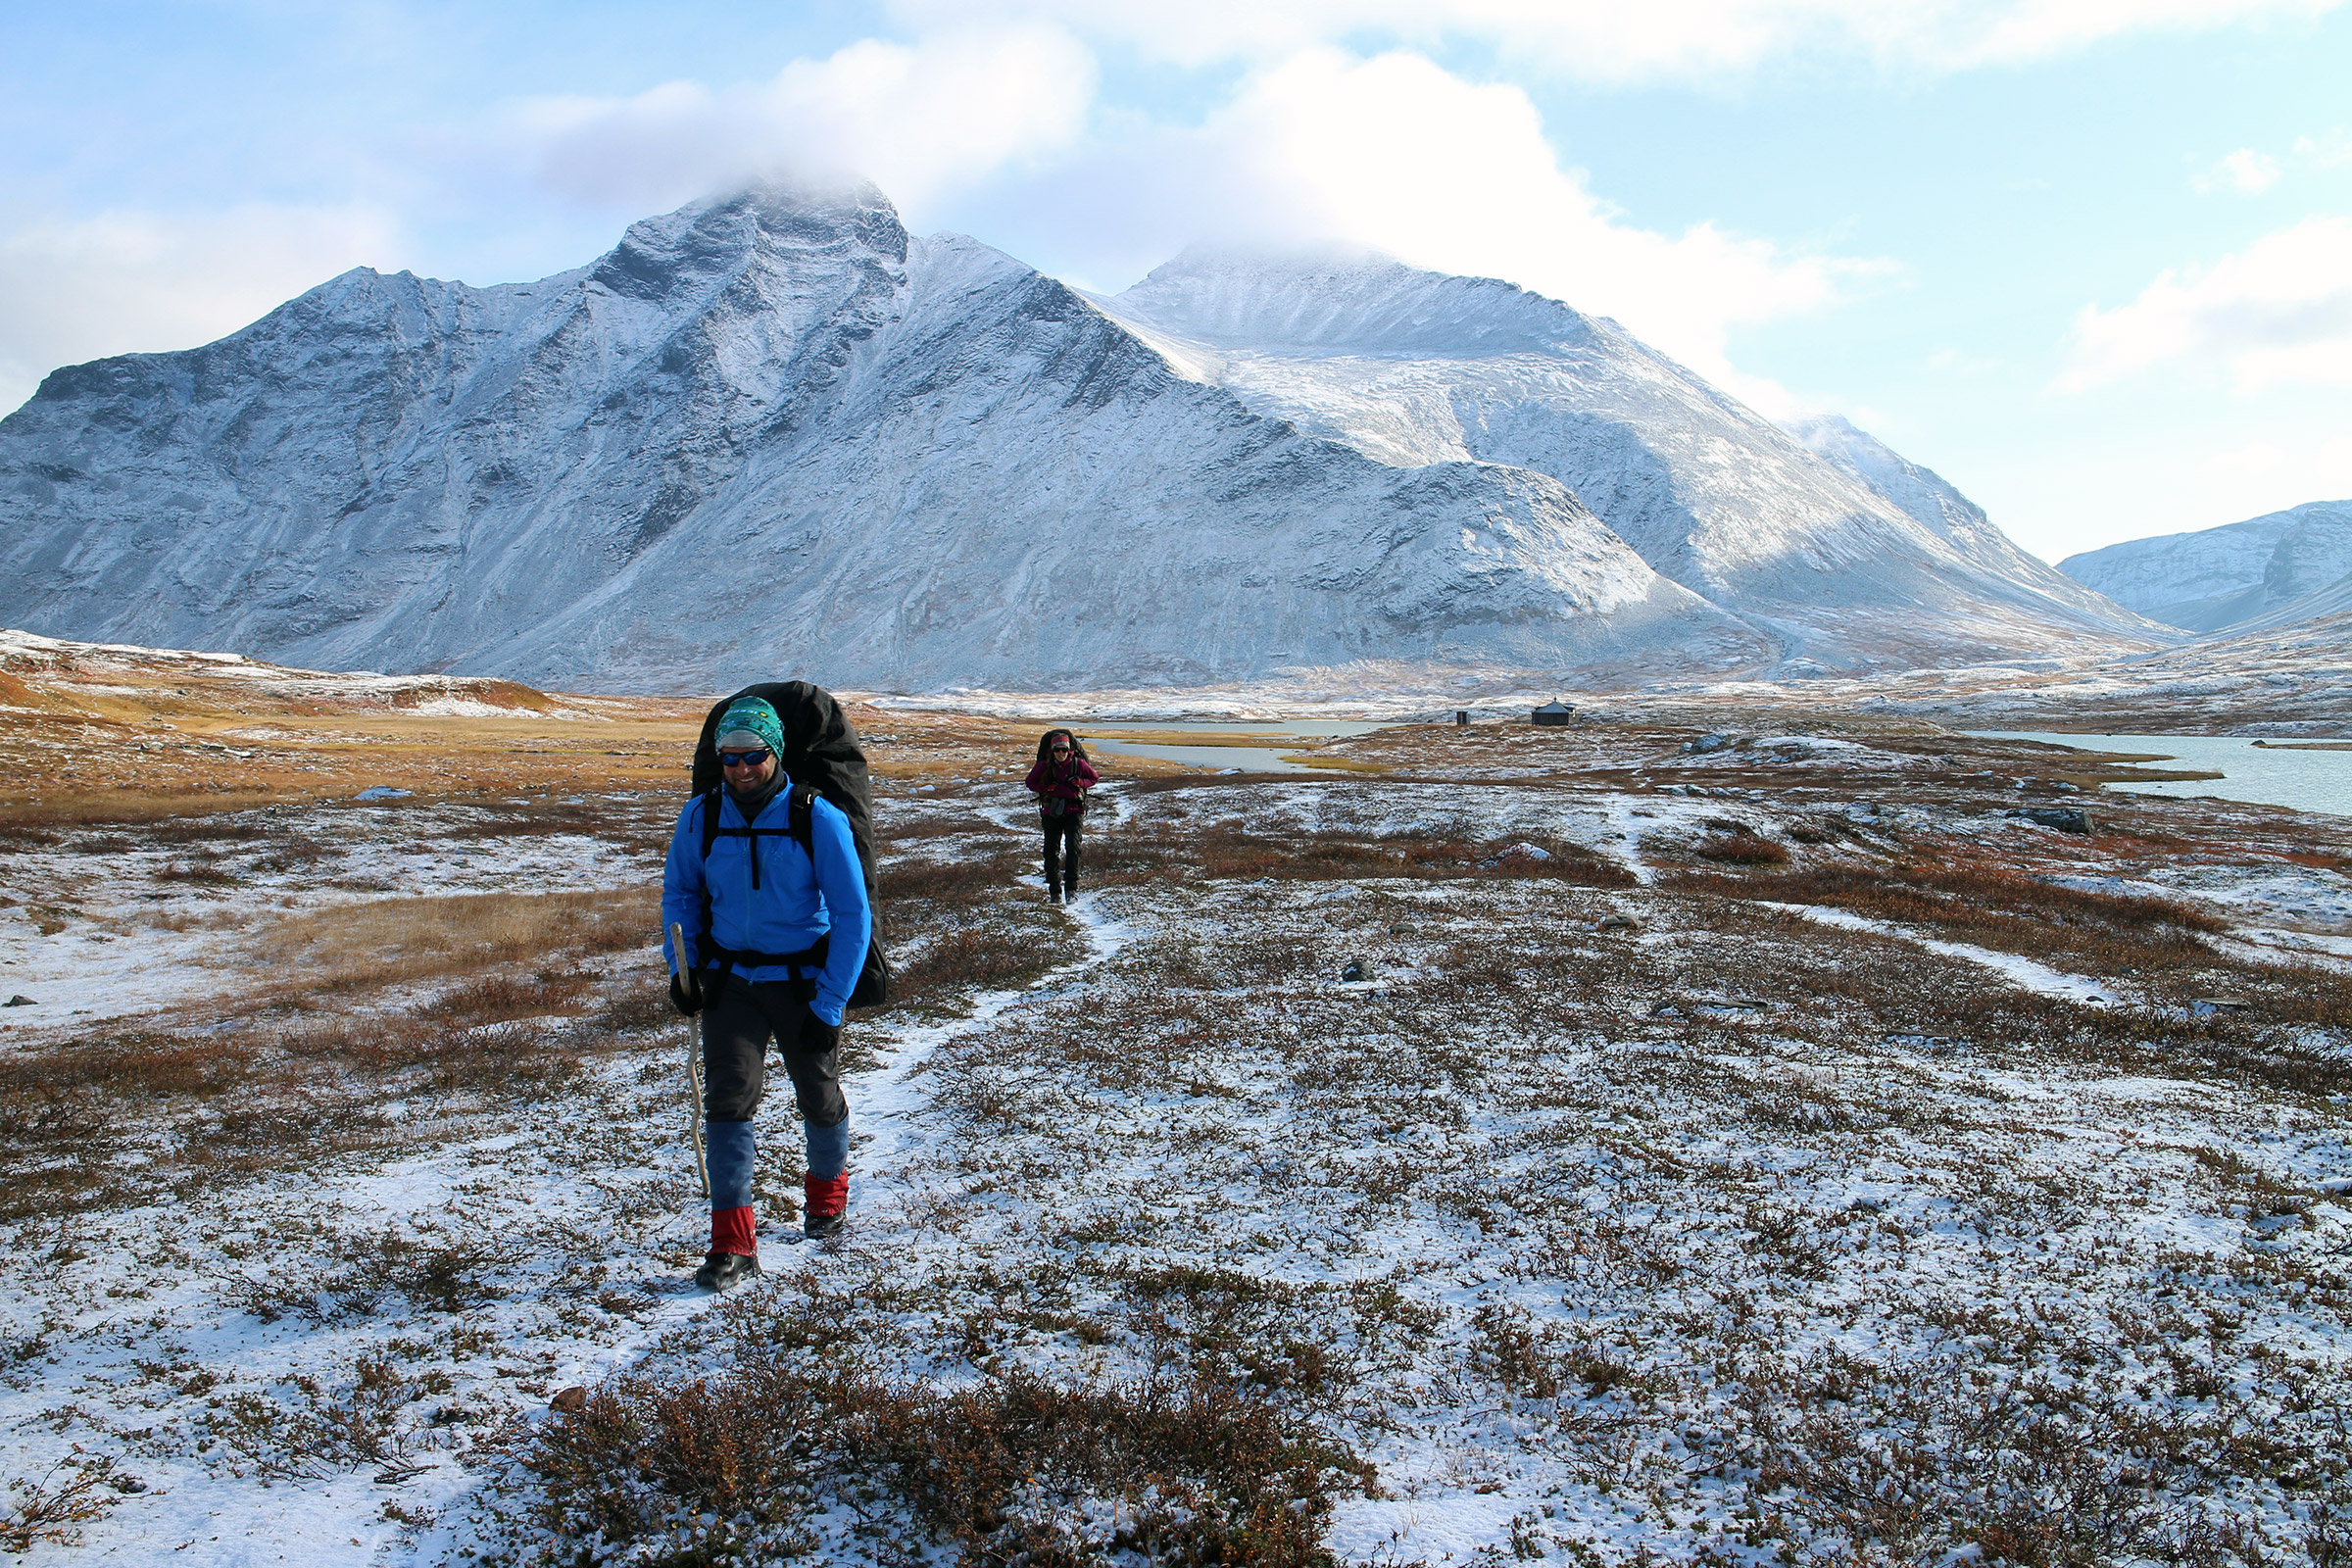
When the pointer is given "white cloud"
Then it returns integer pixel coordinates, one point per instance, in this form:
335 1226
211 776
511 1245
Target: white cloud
955 107
1396 154
2244 169
1609 40
128 282
1392 153
2329 151
2276 313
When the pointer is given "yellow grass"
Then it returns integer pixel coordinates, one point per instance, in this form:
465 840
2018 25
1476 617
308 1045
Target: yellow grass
421 938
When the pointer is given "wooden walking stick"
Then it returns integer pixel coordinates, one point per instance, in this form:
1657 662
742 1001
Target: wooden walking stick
689 986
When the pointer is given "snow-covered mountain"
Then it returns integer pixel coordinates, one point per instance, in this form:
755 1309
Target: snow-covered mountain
1931 501
2240 576
775 432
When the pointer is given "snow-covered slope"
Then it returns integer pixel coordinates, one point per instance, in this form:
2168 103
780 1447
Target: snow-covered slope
1412 366
1929 498
773 433
2240 576
2335 599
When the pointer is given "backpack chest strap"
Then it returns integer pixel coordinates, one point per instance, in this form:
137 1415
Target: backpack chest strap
800 827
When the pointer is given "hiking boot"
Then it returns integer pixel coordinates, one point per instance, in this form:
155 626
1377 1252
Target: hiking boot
827 1198
1052 894
1069 893
722 1269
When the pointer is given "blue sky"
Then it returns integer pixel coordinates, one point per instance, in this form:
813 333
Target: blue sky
2092 262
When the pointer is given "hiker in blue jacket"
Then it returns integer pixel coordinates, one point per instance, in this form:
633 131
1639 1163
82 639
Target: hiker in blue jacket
774 935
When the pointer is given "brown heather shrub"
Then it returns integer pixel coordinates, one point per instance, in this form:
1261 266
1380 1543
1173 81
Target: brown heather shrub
49 1099
501 998
196 829
593 818
1998 907
714 1468
929 827
199 874
1123 859
959 882
980 957
637 1007
78 1489
1741 849
1955 885
1861 1462
1225 852
495 1060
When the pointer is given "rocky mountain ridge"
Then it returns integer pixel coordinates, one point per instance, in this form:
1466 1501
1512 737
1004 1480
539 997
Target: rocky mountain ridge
776 431
2267 571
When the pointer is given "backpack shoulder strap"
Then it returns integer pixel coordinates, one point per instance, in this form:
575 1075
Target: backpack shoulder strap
803 819
709 821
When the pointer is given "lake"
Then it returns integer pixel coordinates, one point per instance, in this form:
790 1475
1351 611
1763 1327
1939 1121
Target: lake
1244 758
2269 775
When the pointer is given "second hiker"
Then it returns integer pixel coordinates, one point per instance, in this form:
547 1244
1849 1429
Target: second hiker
776 932
1059 780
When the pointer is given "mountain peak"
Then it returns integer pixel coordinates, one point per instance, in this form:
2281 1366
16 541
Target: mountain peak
717 236
1340 301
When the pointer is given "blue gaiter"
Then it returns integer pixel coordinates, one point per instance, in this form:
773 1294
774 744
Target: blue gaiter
727 1146
828 1151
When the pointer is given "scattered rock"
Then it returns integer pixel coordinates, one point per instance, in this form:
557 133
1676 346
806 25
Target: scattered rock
1710 741
1616 922
380 792
19 1001
2065 818
1358 970
572 1400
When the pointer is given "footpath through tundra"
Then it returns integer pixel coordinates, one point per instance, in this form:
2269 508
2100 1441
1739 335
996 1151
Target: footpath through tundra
1706 1177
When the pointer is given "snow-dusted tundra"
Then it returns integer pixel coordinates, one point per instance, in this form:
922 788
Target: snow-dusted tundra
1784 1153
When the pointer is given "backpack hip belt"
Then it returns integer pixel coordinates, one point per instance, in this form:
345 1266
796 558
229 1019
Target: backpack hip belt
725 960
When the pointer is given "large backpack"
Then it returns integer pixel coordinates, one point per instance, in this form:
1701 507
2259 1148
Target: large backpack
821 757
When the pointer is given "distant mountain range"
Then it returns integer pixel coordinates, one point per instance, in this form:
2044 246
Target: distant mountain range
776 433
2267 572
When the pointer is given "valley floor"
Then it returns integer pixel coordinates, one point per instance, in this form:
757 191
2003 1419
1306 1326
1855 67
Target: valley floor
1517 1146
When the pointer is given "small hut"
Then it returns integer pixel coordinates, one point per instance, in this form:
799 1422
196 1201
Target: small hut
1556 711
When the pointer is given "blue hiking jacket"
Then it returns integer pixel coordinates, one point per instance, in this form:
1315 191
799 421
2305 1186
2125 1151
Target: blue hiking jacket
800 898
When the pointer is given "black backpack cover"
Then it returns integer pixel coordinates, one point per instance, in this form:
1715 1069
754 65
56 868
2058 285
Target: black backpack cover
820 752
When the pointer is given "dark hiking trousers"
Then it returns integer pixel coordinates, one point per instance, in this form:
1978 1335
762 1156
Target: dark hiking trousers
737 1025
1062 866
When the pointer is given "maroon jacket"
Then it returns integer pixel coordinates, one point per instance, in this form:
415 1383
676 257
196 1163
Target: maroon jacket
1067 779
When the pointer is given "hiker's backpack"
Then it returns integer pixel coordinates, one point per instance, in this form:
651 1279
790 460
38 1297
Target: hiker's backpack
821 757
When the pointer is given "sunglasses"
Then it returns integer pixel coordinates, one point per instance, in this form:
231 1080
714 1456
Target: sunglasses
743 759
